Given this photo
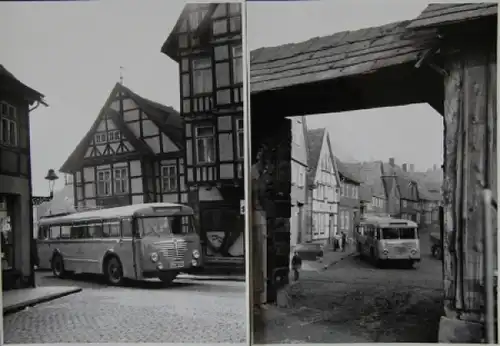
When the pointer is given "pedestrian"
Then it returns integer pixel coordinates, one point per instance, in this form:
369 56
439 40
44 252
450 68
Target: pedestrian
296 265
344 241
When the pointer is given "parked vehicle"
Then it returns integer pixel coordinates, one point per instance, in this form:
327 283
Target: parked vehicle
383 239
139 241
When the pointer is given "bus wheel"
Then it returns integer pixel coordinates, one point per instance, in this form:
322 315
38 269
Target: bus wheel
167 277
113 271
57 265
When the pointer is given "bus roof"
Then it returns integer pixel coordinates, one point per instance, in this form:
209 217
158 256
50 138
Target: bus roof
385 221
149 209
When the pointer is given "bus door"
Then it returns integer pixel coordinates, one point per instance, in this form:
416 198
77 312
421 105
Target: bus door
128 249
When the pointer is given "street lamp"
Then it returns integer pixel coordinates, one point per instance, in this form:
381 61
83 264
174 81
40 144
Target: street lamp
51 177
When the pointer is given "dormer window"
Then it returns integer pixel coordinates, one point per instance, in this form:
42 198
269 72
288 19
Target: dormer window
202 76
100 138
114 136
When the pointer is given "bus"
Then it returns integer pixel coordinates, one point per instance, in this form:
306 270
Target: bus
139 241
383 239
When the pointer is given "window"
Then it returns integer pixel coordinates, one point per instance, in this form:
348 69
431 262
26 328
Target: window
222 74
205 145
8 124
186 87
237 65
202 76
114 136
111 229
121 180
219 27
126 228
100 138
169 178
104 183
240 135
404 203
195 19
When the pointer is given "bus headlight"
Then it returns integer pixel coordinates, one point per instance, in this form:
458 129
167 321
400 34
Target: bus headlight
154 257
385 251
196 254
413 251
194 263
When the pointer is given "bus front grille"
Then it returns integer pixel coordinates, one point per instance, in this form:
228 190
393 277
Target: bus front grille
173 249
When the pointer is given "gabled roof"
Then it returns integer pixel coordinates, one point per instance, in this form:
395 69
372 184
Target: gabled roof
345 172
436 15
170 46
342 54
314 139
31 94
404 185
166 118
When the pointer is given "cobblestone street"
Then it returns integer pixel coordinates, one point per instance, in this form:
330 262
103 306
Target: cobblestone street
189 311
355 302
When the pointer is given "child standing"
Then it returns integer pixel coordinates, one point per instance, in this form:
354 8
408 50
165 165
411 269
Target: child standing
296 265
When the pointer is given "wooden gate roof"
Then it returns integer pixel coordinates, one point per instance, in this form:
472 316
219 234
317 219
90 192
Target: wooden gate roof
359 52
436 15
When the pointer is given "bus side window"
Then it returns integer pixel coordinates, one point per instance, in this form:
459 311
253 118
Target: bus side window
95 231
79 231
65 232
43 232
111 229
126 228
55 232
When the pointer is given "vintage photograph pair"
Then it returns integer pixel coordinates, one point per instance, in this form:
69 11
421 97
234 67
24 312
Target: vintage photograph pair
248 172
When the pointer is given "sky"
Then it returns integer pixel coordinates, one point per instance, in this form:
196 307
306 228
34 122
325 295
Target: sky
72 53
411 134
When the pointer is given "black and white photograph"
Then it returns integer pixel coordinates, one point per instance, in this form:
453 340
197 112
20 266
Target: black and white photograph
121 172
374 171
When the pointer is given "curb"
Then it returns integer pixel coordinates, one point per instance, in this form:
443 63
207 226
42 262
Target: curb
213 278
32 302
328 265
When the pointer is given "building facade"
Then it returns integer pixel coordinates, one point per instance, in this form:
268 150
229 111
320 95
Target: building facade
133 153
16 211
324 182
349 206
300 208
206 42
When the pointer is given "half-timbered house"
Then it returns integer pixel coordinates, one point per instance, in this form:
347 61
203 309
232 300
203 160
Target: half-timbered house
15 180
324 181
133 153
206 42
300 208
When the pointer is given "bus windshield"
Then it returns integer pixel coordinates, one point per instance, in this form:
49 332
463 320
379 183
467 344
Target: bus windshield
165 225
398 233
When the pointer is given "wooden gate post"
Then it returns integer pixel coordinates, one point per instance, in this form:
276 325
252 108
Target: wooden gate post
469 165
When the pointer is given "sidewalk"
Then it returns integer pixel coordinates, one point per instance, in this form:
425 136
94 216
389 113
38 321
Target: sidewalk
329 258
16 300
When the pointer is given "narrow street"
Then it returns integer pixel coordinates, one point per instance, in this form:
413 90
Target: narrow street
191 311
353 301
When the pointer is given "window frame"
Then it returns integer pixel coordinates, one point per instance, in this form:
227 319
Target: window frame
206 71
123 179
168 178
108 182
240 131
205 139
237 57
9 118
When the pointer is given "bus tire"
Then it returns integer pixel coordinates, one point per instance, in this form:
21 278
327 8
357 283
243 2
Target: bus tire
113 270
57 266
167 278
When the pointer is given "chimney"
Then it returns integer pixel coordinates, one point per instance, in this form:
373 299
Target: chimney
405 167
412 168
391 161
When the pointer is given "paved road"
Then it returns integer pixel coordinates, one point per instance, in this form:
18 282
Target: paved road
353 300
189 311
